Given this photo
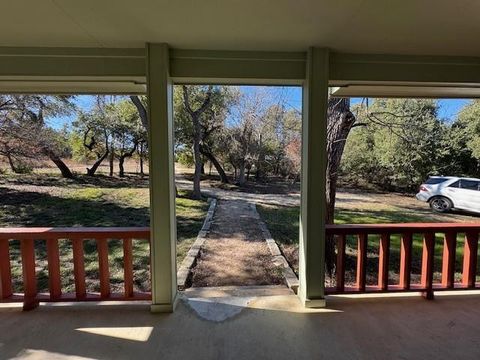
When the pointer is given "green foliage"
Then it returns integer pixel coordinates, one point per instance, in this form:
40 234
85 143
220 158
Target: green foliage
467 132
403 141
185 157
23 168
112 126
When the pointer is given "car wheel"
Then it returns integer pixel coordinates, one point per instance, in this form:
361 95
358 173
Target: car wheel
441 204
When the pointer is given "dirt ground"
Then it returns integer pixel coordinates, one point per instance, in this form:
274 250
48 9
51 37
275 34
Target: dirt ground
235 253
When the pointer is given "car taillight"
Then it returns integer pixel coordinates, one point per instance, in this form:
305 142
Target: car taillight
423 188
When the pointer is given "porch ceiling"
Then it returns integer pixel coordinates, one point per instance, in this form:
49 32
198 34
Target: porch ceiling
436 27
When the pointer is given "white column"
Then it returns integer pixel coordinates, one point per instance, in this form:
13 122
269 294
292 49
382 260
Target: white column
162 179
313 202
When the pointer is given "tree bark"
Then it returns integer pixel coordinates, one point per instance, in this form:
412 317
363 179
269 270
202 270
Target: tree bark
214 161
141 159
261 159
91 171
100 157
111 159
241 174
121 168
65 171
142 112
11 163
197 194
340 121
121 160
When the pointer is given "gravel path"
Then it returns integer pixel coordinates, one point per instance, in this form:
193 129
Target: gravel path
235 253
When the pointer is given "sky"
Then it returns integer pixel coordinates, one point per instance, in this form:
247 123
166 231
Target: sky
290 95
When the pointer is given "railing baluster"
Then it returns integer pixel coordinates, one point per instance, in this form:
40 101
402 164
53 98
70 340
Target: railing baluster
341 262
103 268
383 260
427 265
27 248
362 262
128 267
448 260
405 260
5 270
79 269
470 259
54 283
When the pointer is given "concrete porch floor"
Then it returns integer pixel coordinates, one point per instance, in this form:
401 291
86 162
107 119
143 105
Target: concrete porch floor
255 327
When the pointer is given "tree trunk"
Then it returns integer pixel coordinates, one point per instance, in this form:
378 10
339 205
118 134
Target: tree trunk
121 159
93 169
241 175
339 123
66 173
11 163
121 168
141 159
234 172
197 194
142 112
197 135
260 161
111 159
218 166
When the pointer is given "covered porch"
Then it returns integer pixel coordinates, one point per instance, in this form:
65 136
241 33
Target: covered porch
268 327
321 321
154 70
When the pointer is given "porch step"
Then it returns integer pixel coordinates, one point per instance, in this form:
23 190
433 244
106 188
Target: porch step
237 291
220 303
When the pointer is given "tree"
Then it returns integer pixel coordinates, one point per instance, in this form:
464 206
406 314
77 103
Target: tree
94 129
340 121
128 131
244 134
196 100
403 141
26 115
465 138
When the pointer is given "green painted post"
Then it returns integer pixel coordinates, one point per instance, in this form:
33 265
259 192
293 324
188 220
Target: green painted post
312 209
162 179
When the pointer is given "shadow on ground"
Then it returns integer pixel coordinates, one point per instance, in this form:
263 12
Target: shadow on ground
25 208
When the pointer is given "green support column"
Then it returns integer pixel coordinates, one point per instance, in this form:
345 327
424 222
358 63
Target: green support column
162 179
312 211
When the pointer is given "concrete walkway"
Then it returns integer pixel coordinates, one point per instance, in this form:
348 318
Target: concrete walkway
235 252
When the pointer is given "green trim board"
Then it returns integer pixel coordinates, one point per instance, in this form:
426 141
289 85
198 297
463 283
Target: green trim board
403 68
39 69
237 66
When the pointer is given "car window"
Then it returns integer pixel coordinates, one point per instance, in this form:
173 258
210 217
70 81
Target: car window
456 184
435 181
469 184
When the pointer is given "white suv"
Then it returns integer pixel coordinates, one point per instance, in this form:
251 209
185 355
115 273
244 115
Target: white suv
446 192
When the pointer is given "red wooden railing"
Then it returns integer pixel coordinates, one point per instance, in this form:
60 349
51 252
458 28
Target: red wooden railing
407 232
27 236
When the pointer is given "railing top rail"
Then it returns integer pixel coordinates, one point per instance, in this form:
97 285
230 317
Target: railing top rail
401 228
19 233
